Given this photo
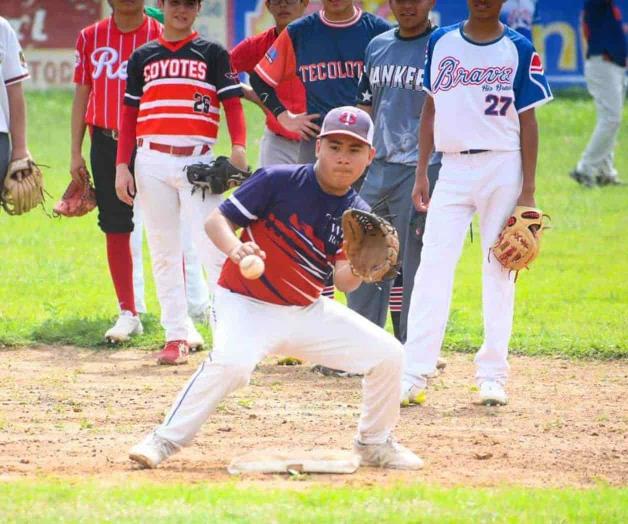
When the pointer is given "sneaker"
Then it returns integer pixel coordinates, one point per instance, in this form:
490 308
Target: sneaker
175 352
582 179
492 394
125 327
608 180
152 450
390 454
414 393
195 339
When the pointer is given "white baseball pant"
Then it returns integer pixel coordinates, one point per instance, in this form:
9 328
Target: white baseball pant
325 333
606 83
490 184
165 196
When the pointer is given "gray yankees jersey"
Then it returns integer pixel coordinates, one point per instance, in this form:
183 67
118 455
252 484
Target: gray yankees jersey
392 84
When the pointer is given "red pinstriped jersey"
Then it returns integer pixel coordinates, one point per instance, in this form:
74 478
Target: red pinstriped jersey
178 87
102 52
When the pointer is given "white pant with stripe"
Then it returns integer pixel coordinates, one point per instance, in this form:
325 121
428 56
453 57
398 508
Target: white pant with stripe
327 333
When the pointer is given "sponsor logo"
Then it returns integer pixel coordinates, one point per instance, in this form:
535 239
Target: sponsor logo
536 65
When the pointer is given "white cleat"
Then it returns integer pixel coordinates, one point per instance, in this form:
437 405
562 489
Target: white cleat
413 393
492 394
152 450
390 454
194 338
125 327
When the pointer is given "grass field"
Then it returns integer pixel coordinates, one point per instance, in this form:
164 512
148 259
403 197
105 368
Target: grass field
56 288
90 502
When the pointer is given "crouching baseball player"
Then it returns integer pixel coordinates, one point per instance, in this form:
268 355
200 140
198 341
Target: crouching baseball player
290 215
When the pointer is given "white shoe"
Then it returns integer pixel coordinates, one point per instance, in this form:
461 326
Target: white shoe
194 338
390 454
413 393
152 450
125 327
492 394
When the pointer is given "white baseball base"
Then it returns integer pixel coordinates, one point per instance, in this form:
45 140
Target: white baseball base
295 460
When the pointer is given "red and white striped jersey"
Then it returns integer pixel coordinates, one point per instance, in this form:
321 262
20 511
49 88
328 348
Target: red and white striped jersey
178 87
102 52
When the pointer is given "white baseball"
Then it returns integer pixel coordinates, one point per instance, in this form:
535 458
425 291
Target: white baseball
252 267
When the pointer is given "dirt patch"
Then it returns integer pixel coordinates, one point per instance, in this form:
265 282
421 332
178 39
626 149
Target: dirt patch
71 412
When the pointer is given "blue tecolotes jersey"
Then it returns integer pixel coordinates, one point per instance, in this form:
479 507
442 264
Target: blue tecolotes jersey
326 56
392 85
284 210
480 89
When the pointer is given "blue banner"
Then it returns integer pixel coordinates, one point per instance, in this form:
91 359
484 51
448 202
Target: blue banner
556 28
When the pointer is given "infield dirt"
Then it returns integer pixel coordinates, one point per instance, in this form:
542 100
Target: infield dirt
70 412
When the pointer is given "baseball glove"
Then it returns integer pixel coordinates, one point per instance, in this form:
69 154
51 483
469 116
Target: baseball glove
79 198
519 242
215 177
23 187
371 245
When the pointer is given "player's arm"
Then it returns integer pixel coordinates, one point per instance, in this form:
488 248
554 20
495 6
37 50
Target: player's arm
344 279
529 136
78 126
421 190
222 232
17 125
301 123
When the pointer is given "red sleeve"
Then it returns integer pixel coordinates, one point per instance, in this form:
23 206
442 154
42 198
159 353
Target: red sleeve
279 62
126 138
235 121
244 56
82 65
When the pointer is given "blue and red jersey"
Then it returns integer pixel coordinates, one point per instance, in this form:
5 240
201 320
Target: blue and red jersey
284 210
328 57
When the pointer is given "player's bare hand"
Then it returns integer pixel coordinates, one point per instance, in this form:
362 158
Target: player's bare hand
77 165
421 193
301 123
238 157
244 249
125 184
526 198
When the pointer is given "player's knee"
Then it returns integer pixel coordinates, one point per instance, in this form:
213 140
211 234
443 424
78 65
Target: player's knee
393 356
239 373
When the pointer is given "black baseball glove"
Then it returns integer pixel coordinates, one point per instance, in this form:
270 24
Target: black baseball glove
215 177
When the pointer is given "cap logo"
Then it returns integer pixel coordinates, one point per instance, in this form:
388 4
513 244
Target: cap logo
347 118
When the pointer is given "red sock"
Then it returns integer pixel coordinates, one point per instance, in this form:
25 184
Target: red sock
121 268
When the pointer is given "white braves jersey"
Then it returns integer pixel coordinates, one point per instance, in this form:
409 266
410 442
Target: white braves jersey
480 89
12 68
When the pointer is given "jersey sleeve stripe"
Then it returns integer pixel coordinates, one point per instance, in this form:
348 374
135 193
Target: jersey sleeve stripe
538 103
16 79
241 208
132 97
229 88
265 76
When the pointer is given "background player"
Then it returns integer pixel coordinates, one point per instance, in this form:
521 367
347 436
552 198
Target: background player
102 51
605 73
391 90
519 15
175 87
325 51
13 71
278 145
291 216
484 81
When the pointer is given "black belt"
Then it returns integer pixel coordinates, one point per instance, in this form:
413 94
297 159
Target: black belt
473 151
111 133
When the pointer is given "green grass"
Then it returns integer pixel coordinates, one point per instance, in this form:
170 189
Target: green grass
49 501
55 286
